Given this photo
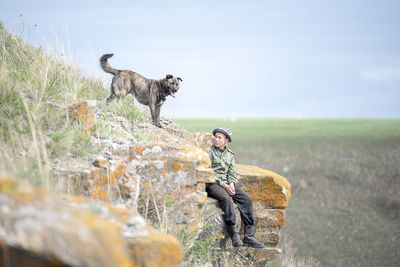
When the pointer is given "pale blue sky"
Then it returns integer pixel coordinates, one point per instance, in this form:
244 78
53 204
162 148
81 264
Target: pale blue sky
271 58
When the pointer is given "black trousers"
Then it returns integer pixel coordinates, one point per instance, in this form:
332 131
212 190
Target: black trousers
243 201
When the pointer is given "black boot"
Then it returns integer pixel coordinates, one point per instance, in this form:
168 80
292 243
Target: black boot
249 240
233 231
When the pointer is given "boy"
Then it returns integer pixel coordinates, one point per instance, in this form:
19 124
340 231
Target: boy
225 190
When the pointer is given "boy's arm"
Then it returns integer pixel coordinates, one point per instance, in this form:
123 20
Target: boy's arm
232 176
210 154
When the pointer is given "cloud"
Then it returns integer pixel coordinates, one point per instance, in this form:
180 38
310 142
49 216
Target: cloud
382 73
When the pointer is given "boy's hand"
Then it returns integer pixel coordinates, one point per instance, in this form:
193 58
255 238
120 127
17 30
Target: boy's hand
230 189
232 185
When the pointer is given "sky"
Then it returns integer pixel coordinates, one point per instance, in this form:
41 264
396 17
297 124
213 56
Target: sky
271 58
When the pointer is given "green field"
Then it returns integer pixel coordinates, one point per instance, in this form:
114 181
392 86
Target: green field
345 176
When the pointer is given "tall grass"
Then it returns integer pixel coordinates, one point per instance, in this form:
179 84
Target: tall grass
125 107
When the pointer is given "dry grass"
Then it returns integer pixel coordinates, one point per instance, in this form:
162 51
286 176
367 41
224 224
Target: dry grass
290 257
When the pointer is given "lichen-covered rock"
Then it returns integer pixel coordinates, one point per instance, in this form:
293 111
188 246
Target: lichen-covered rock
165 182
37 228
167 247
172 181
264 186
104 181
270 193
83 114
202 140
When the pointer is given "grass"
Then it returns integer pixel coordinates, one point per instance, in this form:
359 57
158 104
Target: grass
345 173
125 107
199 251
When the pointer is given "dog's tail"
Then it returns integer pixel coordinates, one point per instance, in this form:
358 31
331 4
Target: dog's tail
105 66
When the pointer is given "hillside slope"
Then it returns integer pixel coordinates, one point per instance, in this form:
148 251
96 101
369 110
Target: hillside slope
35 128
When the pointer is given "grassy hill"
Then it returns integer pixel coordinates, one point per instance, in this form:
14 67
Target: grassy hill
35 89
345 176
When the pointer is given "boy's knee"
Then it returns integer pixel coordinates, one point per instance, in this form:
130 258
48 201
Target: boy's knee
226 199
248 200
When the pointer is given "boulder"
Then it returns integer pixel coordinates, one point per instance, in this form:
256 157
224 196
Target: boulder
270 193
164 182
39 228
172 182
264 186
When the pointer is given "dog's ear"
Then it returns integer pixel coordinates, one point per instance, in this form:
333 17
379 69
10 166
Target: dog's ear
180 79
169 76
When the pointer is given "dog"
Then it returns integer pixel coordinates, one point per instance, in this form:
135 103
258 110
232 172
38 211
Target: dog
148 92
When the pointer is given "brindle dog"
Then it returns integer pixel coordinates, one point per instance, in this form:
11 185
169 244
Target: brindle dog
148 92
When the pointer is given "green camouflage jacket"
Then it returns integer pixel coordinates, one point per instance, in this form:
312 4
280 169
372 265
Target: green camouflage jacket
223 164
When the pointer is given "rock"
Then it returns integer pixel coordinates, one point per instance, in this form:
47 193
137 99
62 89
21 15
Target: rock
37 228
203 140
264 186
162 180
269 218
167 248
83 114
177 174
270 193
104 182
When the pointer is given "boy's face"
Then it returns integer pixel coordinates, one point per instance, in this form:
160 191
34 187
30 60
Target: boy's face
220 140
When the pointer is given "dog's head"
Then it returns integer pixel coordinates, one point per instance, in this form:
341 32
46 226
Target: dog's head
172 84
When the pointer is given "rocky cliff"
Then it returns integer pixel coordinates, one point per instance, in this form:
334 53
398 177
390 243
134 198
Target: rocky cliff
127 204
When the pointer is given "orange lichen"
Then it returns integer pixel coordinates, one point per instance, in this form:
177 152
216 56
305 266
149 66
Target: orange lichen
264 186
157 250
7 184
112 249
97 192
138 149
102 179
203 140
83 114
176 167
115 175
